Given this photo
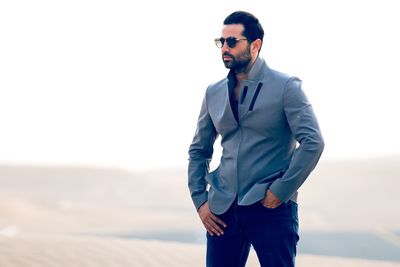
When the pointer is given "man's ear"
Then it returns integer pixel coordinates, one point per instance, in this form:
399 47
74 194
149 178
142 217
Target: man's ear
256 45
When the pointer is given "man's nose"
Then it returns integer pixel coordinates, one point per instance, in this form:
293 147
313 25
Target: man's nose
225 47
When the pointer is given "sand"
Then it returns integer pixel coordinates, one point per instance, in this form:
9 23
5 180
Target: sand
75 216
68 251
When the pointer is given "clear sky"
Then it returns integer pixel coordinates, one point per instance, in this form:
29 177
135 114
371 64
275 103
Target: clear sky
119 83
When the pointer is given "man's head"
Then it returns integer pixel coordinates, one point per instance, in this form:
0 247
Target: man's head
241 40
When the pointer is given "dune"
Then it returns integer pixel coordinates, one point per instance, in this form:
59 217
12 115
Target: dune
89 216
84 251
352 195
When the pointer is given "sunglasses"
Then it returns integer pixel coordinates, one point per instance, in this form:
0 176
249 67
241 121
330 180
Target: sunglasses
230 41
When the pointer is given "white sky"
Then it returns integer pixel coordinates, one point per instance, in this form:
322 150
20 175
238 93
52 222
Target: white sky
119 83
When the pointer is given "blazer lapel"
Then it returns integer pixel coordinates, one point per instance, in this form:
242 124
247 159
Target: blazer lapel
251 88
228 107
246 95
249 92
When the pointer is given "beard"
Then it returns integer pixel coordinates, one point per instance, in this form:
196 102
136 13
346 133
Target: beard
238 63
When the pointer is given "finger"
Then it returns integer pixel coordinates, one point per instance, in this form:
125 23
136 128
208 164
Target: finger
215 227
268 205
272 206
210 232
209 228
218 220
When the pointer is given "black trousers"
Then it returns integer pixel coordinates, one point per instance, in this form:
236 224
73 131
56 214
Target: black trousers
273 233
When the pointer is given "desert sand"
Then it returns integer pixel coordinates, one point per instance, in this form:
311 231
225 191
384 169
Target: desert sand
66 251
89 216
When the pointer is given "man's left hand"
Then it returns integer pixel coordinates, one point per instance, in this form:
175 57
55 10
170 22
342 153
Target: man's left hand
271 201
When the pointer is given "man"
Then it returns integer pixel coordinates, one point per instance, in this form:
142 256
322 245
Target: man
271 142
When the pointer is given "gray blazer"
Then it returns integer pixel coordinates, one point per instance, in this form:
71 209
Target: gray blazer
260 149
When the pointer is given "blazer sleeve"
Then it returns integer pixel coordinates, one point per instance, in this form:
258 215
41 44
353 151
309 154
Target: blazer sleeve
200 154
304 126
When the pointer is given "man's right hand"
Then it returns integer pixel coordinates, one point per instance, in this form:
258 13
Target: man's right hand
212 223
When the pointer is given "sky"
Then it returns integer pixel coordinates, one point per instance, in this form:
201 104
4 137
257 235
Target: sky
120 83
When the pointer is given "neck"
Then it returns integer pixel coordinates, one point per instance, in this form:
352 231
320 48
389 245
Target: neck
243 74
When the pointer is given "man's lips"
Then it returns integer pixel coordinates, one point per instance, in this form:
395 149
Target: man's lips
226 58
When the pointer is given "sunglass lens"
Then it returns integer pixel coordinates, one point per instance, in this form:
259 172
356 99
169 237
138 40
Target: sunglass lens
231 42
219 42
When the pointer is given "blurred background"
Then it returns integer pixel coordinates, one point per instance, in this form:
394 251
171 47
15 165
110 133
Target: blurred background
99 103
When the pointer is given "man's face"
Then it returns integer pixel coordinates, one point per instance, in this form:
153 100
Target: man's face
238 57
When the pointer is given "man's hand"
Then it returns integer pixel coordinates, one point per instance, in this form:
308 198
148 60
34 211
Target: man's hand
211 222
271 201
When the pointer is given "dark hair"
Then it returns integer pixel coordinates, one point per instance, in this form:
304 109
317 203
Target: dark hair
252 27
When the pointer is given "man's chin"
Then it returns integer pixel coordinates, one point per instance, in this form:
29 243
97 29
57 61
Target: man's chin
228 64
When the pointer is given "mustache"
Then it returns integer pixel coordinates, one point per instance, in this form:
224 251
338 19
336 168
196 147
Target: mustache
227 54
